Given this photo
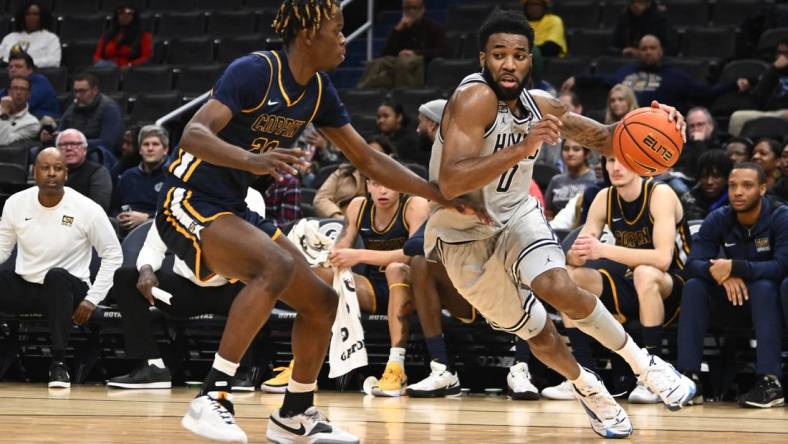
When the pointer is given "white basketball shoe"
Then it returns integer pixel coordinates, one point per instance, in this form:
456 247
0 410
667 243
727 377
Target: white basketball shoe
441 382
306 428
211 416
642 395
673 388
607 418
564 391
519 382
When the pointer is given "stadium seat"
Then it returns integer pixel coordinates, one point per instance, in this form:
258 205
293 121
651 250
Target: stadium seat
78 54
78 6
231 23
687 13
132 244
365 124
593 97
267 17
578 13
412 98
14 5
747 68
5 24
611 12
258 4
697 68
58 77
589 42
446 74
109 78
110 6
455 42
171 5
769 40
230 48
362 101
179 25
79 27
773 127
543 173
4 78
465 18
195 80
190 51
556 70
307 195
729 12
322 174
709 42
14 160
149 107
147 78
219 5
610 64
419 169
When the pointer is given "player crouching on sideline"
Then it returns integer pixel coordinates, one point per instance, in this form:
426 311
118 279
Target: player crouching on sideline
753 234
384 219
638 277
55 229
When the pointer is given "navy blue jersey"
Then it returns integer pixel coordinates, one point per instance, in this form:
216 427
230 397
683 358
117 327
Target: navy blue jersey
633 226
269 109
392 237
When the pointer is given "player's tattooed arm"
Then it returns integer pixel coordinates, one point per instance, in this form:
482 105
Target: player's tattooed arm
581 129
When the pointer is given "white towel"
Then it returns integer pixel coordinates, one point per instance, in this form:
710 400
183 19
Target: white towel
347 350
307 237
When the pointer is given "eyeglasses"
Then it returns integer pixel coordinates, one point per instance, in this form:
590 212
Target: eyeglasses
80 90
66 145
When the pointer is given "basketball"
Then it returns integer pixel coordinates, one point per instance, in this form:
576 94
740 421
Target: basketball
646 142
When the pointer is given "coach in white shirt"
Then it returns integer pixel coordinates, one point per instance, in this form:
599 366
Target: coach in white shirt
54 228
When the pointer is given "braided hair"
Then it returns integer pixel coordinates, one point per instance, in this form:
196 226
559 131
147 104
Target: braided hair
295 15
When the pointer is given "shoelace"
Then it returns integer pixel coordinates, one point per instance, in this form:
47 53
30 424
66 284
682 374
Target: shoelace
316 416
225 414
660 376
599 403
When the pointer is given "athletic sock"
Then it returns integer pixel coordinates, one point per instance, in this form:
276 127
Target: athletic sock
522 352
652 339
437 349
585 379
581 348
298 398
636 357
397 354
157 362
219 377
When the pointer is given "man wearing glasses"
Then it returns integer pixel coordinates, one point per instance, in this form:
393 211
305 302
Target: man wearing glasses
16 122
87 177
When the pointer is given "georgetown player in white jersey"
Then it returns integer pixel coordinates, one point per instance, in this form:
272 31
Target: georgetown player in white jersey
491 132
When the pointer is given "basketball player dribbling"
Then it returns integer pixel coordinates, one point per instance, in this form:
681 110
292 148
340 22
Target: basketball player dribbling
490 135
261 103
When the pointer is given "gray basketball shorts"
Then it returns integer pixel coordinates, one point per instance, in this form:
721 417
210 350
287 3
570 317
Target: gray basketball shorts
494 274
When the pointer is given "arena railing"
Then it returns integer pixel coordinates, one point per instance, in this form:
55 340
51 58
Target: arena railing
367 27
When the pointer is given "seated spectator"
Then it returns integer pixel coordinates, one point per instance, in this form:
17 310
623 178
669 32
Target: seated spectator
770 94
385 220
620 101
32 34
548 28
345 184
642 17
190 297
43 98
550 154
129 153
430 115
96 115
767 153
572 100
414 41
125 44
738 149
711 192
135 197
651 79
283 199
16 122
780 189
55 229
85 176
578 176
393 123
640 276
752 234
701 137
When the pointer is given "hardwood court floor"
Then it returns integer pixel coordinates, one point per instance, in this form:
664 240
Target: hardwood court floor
32 413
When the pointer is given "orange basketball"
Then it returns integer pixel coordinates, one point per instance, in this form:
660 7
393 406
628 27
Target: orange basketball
646 142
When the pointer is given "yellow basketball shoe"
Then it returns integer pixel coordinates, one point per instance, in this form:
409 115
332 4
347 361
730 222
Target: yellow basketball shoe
278 384
393 382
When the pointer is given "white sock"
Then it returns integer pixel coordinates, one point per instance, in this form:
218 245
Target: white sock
636 357
224 365
397 354
298 387
585 379
157 362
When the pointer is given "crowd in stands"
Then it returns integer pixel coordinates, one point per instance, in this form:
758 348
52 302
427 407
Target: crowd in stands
731 179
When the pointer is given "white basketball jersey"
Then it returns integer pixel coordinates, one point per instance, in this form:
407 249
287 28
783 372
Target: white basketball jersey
506 193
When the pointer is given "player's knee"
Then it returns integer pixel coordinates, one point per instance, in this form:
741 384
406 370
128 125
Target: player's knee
396 272
557 288
763 290
272 273
534 324
645 277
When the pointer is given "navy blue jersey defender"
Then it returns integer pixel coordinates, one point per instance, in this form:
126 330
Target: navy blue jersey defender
269 110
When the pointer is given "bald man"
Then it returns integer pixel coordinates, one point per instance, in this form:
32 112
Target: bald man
54 229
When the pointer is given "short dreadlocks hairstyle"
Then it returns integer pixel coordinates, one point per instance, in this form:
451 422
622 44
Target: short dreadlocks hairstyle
295 15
